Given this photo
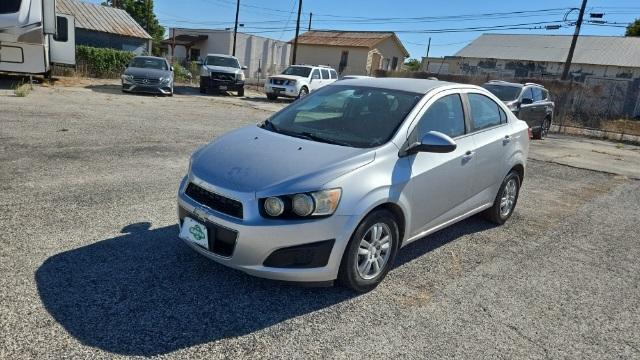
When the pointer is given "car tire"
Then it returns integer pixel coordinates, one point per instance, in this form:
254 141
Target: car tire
506 199
272 97
360 268
544 129
303 92
241 92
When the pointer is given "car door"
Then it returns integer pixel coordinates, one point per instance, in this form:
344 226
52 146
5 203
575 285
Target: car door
325 77
527 107
492 139
539 107
440 183
315 81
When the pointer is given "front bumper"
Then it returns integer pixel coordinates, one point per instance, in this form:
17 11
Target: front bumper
164 89
219 85
282 90
258 238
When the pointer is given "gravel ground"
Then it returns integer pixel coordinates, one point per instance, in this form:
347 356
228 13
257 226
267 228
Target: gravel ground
92 267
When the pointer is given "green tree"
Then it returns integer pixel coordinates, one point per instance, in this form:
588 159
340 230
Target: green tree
633 29
142 12
413 64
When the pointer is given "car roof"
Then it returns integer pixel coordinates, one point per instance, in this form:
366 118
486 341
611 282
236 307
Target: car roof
149 57
223 55
504 83
420 86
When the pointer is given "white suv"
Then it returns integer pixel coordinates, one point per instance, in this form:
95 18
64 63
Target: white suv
297 81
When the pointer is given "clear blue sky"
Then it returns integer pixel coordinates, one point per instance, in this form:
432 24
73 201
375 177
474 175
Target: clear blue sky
276 18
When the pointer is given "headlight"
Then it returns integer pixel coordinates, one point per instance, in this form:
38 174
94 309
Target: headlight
513 106
165 80
318 203
240 76
291 82
302 204
274 206
128 78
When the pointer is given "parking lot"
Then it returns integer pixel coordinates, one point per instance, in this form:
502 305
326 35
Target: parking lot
92 267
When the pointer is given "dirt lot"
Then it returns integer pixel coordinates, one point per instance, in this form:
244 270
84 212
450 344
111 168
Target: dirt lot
92 267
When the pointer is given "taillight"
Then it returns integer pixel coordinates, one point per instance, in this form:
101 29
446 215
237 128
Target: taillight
530 134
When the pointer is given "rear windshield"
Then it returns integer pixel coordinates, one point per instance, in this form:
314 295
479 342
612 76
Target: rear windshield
148 63
503 92
9 6
222 61
297 71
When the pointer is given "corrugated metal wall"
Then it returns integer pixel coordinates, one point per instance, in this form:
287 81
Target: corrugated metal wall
113 41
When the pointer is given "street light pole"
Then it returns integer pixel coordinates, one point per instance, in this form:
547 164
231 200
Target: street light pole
295 40
235 29
567 64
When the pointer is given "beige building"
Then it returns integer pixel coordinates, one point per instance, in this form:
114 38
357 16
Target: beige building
352 52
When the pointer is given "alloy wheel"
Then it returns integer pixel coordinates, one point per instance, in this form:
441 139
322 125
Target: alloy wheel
374 251
508 199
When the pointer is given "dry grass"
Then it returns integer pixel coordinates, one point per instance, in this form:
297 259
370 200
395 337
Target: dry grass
22 90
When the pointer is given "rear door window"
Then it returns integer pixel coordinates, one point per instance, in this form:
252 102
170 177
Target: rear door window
9 6
485 113
325 74
537 94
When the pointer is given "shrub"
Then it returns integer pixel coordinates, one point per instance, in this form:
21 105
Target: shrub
22 90
180 72
103 63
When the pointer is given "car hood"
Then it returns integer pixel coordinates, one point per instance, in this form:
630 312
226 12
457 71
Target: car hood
287 77
224 69
252 159
149 73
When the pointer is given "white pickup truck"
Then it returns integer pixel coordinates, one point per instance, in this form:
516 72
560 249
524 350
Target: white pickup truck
298 81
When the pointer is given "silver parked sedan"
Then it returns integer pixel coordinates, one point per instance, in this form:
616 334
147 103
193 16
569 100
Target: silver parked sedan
332 186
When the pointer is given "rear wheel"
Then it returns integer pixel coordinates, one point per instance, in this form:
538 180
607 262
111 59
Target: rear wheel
371 252
505 201
544 131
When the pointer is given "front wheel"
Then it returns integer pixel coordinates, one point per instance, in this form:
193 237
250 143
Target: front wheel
505 201
544 131
241 92
272 97
303 92
371 252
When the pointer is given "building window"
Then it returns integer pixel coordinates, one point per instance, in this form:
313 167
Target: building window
194 54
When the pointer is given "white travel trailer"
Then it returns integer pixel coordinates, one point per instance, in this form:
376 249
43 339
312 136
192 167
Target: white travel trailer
33 36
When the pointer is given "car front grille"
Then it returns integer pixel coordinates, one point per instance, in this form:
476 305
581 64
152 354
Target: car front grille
215 201
278 81
141 80
223 76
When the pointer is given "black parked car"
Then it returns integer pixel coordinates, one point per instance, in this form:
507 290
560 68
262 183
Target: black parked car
529 102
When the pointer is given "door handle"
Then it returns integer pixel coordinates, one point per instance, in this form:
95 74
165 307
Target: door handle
507 139
468 155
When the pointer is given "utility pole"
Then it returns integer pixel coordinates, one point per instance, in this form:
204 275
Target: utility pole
148 16
114 3
310 16
428 48
567 64
235 29
295 40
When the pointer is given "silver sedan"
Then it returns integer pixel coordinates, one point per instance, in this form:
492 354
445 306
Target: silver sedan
331 187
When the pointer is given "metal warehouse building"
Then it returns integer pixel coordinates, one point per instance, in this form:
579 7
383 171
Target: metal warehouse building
105 27
504 55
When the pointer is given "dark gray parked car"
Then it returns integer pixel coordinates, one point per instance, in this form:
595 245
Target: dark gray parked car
529 102
148 74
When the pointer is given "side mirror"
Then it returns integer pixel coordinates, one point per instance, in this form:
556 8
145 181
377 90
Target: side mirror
171 68
244 68
527 101
433 142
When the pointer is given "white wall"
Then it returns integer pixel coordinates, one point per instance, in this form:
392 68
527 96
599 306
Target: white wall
256 52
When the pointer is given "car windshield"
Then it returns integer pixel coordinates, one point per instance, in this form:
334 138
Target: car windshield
345 115
504 92
297 71
10 6
222 61
148 63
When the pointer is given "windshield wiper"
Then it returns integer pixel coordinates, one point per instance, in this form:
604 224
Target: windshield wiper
267 124
312 136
